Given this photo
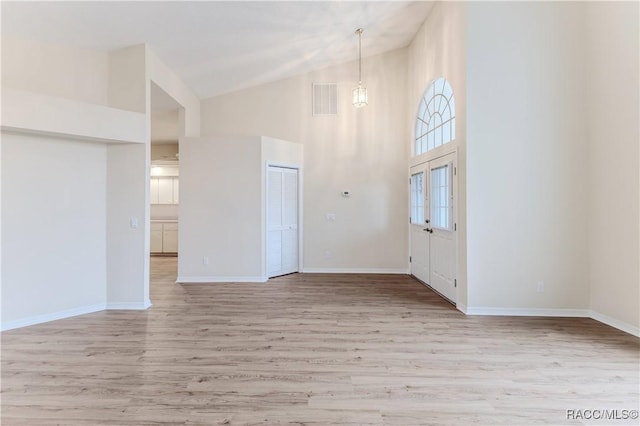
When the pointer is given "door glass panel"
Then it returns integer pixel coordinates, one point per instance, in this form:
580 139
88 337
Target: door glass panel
417 198
441 197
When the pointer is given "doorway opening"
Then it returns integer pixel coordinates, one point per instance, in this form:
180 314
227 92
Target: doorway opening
164 179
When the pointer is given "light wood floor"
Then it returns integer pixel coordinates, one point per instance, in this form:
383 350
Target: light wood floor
311 349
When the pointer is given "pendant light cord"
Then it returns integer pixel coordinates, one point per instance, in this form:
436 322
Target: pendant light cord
359 32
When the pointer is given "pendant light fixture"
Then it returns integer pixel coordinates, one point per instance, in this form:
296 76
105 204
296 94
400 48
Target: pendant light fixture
360 93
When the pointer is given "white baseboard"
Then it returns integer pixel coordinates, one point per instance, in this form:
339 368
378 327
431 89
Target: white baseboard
527 312
394 271
211 280
543 312
131 306
620 325
39 319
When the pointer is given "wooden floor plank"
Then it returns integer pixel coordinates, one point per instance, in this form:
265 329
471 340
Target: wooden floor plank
313 349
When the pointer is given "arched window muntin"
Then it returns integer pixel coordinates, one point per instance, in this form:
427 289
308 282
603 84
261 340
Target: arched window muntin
436 118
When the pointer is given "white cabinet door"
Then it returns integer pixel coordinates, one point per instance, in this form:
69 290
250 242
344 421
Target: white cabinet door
156 238
165 190
154 191
170 238
176 188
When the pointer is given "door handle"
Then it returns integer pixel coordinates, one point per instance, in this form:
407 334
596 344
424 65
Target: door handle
429 230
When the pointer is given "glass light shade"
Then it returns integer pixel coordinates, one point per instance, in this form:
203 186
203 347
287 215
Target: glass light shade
360 96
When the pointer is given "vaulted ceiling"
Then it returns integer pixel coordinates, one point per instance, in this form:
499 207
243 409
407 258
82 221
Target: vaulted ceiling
221 46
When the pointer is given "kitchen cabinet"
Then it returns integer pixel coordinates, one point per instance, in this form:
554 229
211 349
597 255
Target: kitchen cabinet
170 238
154 191
176 188
156 238
164 237
164 190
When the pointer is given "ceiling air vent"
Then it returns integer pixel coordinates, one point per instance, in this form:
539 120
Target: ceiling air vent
325 99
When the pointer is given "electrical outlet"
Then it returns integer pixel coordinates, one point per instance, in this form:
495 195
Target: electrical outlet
205 260
328 254
330 217
540 287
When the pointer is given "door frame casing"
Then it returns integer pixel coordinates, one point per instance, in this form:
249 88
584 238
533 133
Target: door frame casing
265 211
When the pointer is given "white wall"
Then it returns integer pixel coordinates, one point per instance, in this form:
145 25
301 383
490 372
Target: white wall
526 156
222 205
55 70
220 209
280 153
128 169
128 79
75 79
165 127
363 151
168 80
120 79
439 50
53 228
612 95
127 245
277 151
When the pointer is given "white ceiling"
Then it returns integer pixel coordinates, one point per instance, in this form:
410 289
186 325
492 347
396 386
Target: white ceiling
222 46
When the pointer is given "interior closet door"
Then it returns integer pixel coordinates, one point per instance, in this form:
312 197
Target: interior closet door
282 221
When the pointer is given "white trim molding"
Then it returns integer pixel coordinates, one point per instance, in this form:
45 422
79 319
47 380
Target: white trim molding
394 271
212 280
546 312
615 323
129 306
527 312
39 319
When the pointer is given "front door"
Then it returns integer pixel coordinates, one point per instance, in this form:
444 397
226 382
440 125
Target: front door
419 223
442 226
433 242
282 221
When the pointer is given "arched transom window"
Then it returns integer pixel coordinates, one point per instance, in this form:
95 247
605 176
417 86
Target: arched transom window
436 121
